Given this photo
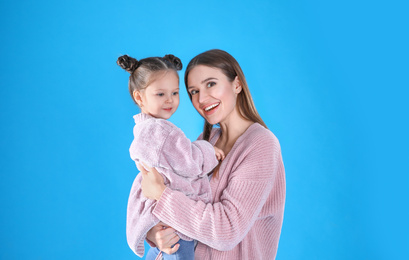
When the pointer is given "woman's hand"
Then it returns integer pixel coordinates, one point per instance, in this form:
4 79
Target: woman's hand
152 182
164 237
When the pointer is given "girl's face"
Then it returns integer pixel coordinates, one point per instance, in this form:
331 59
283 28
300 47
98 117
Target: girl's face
160 99
213 95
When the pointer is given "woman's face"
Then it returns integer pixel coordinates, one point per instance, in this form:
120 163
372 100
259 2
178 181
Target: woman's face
213 95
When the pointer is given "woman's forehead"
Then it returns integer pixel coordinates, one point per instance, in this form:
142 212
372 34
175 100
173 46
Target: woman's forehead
200 73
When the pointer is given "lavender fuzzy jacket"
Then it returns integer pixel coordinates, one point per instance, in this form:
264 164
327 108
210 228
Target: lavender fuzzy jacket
183 164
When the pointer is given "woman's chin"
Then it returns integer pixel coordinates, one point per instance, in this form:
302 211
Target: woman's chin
212 121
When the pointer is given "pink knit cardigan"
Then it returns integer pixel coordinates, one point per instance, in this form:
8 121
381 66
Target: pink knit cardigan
244 218
183 164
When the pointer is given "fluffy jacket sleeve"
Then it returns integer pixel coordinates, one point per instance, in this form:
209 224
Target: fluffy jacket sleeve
159 143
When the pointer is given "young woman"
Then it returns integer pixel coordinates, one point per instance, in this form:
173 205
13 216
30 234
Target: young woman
244 218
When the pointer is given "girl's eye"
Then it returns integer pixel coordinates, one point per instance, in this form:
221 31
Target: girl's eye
210 84
160 94
193 92
175 93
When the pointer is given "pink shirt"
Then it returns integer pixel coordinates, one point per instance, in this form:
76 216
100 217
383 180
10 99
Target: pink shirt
245 216
183 164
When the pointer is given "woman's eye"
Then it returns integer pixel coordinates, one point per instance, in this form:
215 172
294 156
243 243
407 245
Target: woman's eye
210 84
193 92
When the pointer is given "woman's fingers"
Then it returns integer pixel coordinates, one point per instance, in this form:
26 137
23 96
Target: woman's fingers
163 224
142 168
139 166
167 234
174 240
152 234
152 184
172 250
167 246
166 238
147 167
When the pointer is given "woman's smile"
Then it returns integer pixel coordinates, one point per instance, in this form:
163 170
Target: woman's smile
210 109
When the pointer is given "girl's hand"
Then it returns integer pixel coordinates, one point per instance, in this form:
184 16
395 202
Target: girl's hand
152 182
219 153
164 237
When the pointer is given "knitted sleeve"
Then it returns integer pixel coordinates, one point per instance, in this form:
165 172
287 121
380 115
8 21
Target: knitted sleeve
224 224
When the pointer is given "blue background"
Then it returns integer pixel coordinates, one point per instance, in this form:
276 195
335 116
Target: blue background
329 79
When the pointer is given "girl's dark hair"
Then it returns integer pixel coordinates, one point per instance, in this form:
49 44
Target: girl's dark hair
230 67
143 71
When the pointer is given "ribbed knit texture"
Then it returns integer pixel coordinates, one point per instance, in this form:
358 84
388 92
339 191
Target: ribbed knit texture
183 164
244 219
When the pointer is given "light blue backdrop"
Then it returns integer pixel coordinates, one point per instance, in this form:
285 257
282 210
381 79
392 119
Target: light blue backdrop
329 79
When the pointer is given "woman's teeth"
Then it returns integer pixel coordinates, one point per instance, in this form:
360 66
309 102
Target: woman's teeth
210 107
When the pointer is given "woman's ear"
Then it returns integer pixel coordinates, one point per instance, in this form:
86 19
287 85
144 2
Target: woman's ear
137 96
237 85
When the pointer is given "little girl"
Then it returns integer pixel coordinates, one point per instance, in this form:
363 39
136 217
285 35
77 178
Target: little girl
154 87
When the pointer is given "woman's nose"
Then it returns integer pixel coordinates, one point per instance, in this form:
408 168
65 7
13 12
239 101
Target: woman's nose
202 96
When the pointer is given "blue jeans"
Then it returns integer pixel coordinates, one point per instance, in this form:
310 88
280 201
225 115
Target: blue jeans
186 251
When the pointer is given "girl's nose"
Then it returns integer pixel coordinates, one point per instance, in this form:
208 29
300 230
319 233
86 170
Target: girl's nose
169 99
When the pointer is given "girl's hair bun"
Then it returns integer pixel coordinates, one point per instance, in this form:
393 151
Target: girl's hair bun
174 60
128 63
